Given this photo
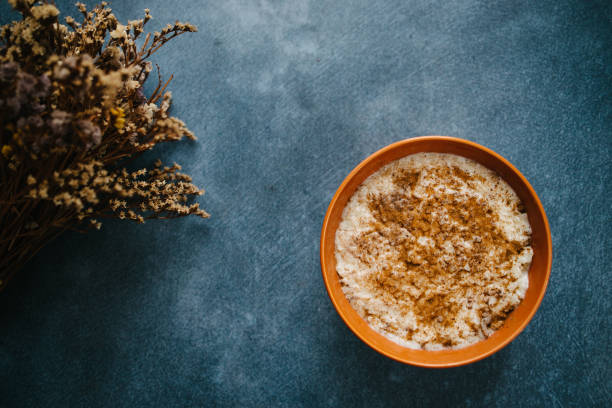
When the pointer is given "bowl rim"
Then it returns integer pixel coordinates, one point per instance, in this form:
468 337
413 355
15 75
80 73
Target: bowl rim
325 227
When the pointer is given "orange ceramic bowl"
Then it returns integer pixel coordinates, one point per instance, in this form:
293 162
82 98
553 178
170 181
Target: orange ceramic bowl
538 273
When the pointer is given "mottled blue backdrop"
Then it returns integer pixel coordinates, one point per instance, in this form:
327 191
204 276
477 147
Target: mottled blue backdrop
286 98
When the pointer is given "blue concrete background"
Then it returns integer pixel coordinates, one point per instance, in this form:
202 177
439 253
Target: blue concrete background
286 98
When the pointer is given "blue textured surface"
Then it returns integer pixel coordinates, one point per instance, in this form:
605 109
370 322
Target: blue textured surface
286 98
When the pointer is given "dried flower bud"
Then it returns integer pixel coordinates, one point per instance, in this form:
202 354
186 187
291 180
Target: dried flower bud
46 13
6 151
89 133
8 71
119 32
59 122
21 5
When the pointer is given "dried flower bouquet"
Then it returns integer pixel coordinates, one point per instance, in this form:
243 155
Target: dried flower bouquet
72 114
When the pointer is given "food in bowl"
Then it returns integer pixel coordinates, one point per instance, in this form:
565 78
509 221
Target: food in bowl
433 251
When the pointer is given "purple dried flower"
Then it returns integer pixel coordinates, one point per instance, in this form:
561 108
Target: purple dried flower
8 71
43 86
89 133
26 84
140 97
30 122
11 104
59 122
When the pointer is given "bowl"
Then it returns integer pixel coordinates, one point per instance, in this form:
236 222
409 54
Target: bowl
539 271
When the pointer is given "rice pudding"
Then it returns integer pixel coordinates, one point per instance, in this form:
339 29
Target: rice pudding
433 251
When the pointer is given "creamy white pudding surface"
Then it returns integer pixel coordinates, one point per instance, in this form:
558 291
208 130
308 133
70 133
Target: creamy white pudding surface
433 251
